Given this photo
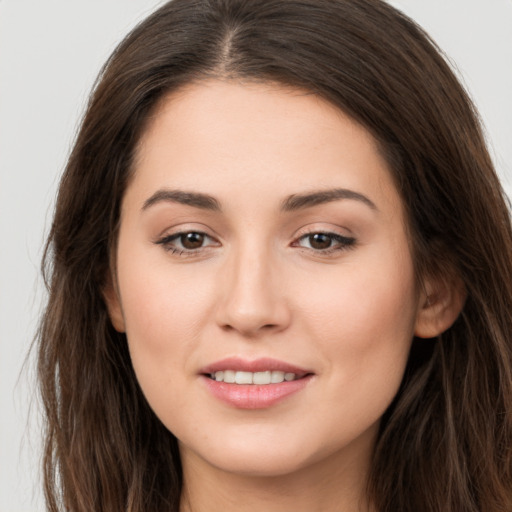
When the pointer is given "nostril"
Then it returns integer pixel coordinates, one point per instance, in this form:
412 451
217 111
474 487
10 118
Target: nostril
249 330
249 311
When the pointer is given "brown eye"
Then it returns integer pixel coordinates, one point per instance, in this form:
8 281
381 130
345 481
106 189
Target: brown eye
320 241
187 243
325 243
192 240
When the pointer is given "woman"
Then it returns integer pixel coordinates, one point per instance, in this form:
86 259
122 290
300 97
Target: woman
279 273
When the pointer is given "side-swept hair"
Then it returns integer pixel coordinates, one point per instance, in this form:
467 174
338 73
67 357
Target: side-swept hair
445 444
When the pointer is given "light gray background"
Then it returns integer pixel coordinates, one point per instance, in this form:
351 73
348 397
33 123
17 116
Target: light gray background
50 53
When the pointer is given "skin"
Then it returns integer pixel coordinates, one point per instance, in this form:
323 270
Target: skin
258 287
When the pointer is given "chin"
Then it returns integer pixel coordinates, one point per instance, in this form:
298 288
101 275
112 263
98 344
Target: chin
264 464
257 457
266 457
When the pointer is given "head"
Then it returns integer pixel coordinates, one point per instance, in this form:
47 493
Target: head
380 72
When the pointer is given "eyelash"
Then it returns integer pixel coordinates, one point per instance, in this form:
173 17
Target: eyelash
168 240
341 242
338 242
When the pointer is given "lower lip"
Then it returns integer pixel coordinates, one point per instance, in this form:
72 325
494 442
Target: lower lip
254 396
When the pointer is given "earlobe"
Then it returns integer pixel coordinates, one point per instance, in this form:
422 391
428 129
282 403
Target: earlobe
440 304
113 303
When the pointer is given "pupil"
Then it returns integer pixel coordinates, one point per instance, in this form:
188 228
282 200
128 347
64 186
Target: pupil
192 240
320 241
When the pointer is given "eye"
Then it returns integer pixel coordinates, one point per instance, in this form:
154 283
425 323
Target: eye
186 242
192 240
324 242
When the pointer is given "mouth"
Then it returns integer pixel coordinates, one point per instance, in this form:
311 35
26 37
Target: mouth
263 378
255 384
263 371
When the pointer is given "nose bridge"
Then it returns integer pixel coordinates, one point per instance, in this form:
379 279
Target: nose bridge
252 299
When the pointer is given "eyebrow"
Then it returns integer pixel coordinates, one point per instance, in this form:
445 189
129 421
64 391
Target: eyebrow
301 201
292 203
195 199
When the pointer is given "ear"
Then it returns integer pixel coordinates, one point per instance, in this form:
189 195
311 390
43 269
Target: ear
441 302
113 303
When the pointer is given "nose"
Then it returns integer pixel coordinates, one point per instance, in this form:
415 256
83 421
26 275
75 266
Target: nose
253 298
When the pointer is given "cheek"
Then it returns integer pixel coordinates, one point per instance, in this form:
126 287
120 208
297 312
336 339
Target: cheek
163 312
364 329
365 322
159 299
362 298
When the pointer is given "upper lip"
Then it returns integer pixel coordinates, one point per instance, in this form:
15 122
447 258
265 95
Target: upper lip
256 365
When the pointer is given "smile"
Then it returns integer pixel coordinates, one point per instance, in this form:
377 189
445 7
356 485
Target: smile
258 378
254 384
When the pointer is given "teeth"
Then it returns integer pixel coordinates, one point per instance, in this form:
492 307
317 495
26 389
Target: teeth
243 377
262 378
238 377
277 377
229 376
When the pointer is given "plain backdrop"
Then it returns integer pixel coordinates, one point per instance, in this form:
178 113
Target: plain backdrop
50 53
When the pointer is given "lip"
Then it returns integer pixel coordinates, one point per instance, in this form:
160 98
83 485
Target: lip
257 365
254 396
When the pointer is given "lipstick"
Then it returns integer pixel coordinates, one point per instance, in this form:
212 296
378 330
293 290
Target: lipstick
257 384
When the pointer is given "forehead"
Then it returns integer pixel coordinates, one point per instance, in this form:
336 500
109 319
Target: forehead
209 108
222 137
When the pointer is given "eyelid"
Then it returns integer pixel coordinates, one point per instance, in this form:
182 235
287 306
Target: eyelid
168 239
171 240
184 226
344 242
176 236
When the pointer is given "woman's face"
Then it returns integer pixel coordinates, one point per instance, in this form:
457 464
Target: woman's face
261 239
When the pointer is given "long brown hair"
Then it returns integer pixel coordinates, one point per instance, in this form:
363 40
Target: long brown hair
446 441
